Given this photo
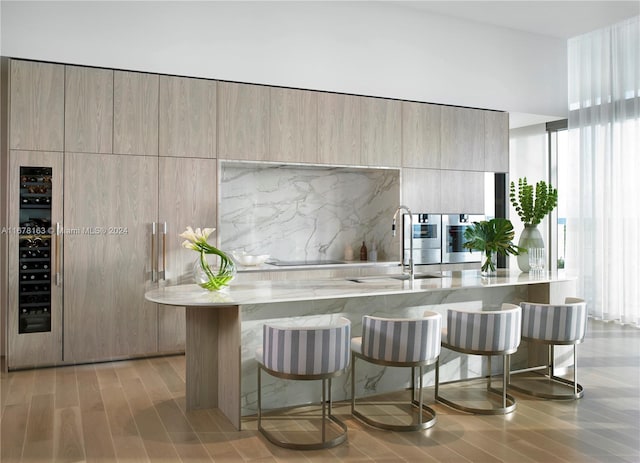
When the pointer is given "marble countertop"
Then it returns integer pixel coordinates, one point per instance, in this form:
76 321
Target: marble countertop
266 292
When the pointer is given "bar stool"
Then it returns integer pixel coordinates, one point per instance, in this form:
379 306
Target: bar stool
553 325
484 333
411 343
306 353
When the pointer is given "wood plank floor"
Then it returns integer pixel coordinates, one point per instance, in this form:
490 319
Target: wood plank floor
134 411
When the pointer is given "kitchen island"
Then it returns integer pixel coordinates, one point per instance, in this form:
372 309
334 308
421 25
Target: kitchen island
223 328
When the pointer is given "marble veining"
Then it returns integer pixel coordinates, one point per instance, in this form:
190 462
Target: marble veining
307 213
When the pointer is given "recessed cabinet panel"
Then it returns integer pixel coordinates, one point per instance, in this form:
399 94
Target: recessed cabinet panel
462 139
110 204
36 106
88 118
338 129
293 131
187 117
182 203
35 259
380 131
243 121
462 192
135 113
421 190
496 141
420 135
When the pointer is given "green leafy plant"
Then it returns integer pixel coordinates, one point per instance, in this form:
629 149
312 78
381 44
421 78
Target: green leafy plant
532 208
489 237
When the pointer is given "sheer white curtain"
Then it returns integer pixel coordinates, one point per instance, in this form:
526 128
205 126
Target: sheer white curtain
604 142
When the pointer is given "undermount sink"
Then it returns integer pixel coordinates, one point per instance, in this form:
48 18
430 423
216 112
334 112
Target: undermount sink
383 278
421 276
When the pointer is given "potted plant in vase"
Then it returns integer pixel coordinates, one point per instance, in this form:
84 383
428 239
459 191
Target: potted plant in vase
532 205
491 237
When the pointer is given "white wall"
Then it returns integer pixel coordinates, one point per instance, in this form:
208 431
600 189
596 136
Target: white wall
367 48
528 157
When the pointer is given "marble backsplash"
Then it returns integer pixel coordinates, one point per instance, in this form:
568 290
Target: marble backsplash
294 212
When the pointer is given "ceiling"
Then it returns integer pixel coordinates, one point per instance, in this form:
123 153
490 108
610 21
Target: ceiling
561 19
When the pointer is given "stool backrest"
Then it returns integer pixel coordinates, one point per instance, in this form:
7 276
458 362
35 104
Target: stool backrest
563 323
307 350
402 340
487 331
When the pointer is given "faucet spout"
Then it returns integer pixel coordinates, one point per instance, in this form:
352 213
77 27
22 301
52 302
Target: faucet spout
393 232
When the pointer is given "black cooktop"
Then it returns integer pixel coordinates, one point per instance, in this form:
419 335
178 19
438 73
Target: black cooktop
292 263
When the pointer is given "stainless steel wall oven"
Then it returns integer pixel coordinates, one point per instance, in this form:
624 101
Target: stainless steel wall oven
453 228
426 236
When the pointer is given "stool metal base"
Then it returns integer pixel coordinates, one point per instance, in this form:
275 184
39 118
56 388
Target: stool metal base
426 412
576 389
426 415
508 398
327 419
325 444
508 401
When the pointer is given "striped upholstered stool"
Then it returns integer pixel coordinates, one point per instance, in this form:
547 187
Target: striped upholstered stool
399 343
306 353
484 333
553 324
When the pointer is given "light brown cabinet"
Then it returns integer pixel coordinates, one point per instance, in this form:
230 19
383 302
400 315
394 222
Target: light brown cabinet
462 192
496 141
187 117
462 139
88 112
421 190
243 121
421 135
293 125
380 132
338 129
181 204
135 113
110 203
35 296
36 119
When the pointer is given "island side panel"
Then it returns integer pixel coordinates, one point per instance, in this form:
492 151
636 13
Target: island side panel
229 362
201 357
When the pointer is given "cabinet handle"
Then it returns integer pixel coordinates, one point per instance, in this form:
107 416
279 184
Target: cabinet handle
164 250
57 256
154 269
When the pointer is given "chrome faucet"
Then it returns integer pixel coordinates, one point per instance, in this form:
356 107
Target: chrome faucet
393 233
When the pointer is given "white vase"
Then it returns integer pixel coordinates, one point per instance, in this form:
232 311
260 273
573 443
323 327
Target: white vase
529 238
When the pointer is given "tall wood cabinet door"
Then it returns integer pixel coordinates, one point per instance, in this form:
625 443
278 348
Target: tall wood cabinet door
110 204
187 117
462 139
338 129
243 121
462 192
380 131
36 106
88 119
135 113
496 141
420 135
421 190
293 125
37 249
182 203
